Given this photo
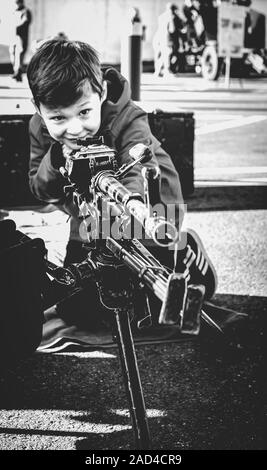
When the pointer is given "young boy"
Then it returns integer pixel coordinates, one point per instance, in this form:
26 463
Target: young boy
74 100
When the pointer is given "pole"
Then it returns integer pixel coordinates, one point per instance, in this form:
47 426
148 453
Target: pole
131 53
227 69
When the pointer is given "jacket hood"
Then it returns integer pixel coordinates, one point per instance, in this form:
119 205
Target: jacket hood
118 97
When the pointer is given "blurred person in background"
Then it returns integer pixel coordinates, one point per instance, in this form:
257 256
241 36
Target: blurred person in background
19 45
166 39
194 23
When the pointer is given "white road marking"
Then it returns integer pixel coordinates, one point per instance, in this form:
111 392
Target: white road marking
215 116
221 183
222 126
231 176
241 170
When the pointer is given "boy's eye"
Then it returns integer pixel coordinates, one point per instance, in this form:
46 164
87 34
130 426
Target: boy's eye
85 112
57 118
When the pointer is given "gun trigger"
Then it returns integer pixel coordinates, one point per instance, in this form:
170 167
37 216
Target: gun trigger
145 322
144 318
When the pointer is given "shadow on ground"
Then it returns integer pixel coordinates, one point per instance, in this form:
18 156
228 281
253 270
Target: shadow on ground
228 198
207 392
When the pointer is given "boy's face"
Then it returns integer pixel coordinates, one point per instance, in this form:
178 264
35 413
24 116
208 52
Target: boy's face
77 121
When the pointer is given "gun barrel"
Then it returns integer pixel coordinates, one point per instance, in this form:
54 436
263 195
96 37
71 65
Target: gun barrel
163 232
106 182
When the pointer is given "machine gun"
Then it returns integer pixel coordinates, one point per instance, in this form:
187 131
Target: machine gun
120 265
94 179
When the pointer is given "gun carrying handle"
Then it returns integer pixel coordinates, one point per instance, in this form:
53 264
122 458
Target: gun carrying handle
151 178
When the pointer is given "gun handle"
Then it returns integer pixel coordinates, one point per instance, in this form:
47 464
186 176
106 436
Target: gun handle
192 311
153 179
172 308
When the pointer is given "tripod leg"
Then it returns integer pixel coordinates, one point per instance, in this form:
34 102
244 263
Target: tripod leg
132 379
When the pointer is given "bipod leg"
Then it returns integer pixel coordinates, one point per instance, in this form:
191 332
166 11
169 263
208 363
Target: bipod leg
132 380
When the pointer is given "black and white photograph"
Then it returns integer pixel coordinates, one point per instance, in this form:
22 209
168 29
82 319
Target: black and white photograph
133 230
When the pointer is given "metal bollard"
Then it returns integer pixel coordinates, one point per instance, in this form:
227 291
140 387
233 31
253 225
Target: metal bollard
131 53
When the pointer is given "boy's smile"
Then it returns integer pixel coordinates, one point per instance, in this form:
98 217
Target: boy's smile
77 121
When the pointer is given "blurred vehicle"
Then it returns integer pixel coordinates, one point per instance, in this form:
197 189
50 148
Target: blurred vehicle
220 29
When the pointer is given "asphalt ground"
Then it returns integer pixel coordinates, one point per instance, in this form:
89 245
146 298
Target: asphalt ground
207 392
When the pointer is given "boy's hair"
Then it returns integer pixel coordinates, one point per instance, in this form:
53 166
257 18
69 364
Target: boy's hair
57 71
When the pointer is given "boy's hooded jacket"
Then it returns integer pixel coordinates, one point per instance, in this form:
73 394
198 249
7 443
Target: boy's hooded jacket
123 124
